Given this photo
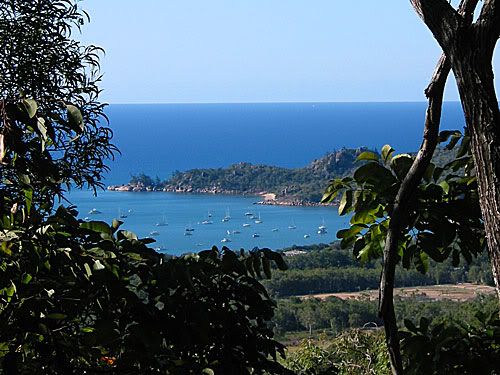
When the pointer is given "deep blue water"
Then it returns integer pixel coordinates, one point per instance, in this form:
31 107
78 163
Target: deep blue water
161 138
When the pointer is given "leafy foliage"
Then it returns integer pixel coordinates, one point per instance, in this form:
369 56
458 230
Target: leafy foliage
51 133
453 348
73 293
87 297
352 352
444 215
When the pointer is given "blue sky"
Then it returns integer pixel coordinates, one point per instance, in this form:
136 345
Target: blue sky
171 51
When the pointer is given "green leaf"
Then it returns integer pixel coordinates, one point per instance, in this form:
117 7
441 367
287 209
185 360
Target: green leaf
97 226
126 235
464 147
276 257
87 269
375 174
115 225
56 316
401 164
352 231
28 196
367 155
453 141
387 152
421 262
345 202
30 106
5 248
358 246
75 118
26 278
446 134
40 123
445 186
365 254
363 217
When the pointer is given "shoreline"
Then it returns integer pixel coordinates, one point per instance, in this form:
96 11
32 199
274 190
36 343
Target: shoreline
269 199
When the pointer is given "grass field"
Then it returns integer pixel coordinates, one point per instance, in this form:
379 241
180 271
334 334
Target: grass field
459 292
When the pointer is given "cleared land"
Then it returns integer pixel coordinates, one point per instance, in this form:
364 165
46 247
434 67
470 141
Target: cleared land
459 292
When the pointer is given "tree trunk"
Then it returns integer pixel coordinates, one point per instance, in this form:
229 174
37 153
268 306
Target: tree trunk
399 214
480 105
470 50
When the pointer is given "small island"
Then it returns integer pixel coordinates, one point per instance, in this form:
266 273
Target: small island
276 185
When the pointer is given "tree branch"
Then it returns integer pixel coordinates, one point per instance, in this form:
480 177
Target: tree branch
399 214
489 22
440 17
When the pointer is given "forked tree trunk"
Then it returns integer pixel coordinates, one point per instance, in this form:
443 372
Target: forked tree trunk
470 50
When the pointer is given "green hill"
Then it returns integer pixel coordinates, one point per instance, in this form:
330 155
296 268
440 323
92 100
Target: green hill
290 185
300 185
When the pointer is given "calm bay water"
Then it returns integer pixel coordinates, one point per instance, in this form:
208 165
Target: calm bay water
159 139
182 211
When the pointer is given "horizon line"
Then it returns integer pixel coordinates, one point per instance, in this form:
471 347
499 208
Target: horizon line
281 102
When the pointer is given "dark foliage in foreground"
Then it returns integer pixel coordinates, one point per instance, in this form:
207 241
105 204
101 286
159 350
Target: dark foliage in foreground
85 296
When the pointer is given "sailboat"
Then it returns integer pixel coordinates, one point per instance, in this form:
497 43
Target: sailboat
292 226
322 229
258 221
162 222
121 214
227 217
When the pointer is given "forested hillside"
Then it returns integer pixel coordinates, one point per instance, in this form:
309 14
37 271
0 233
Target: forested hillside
290 185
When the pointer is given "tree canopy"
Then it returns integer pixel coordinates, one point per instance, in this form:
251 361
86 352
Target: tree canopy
87 297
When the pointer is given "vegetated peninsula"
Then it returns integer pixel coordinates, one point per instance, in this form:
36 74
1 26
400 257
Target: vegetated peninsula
278 185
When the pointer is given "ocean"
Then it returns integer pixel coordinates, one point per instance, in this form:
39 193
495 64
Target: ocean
159 139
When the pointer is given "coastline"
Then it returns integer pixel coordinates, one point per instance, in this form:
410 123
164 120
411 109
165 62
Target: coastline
269 199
